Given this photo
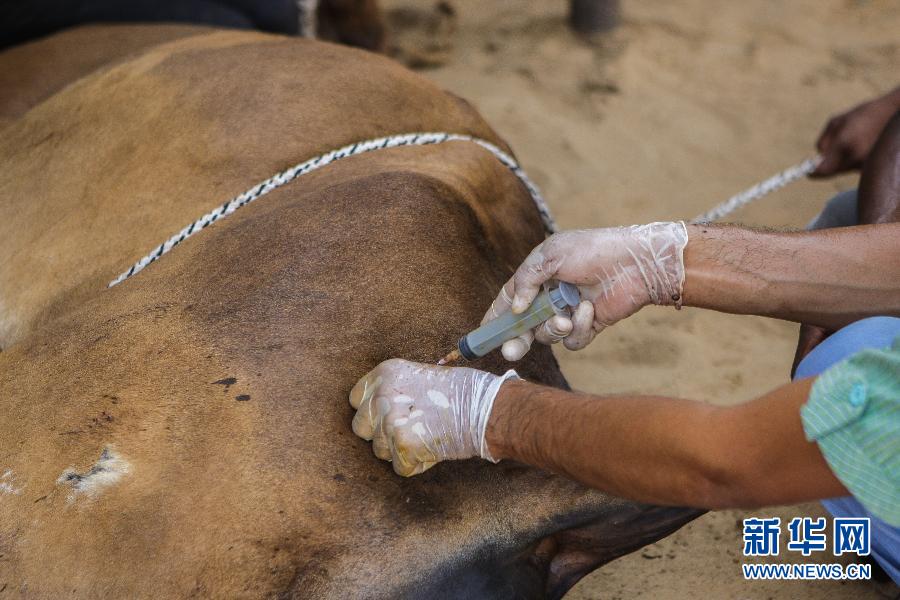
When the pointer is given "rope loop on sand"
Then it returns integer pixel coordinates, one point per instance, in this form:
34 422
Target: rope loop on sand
286 176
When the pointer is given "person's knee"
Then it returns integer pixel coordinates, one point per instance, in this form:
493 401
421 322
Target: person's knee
879 183
874 332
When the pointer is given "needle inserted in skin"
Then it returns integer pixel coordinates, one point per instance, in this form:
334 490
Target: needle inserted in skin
450 358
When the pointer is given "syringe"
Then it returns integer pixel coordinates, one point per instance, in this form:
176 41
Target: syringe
507 326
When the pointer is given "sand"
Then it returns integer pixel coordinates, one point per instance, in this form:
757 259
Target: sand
682 106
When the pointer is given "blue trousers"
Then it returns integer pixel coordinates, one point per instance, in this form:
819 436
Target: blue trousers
874 332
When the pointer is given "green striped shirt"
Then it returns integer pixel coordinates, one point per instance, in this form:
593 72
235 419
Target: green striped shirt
853 414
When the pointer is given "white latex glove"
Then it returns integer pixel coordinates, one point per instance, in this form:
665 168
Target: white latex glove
418 415
618 271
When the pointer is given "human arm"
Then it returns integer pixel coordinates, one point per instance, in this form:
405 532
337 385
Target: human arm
664 450
827 277
848 138
877 201
647 448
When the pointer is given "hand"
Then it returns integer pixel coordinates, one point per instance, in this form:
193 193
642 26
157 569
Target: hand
418 415
617 270
849 137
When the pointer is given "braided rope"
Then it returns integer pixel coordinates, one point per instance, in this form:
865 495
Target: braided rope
393 141
759 190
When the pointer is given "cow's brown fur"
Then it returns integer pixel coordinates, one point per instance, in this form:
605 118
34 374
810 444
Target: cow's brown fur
220 374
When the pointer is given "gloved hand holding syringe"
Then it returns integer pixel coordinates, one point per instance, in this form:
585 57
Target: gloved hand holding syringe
617 270
509 325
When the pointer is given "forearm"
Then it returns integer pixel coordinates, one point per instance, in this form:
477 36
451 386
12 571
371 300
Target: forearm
827 278
664 450
642 448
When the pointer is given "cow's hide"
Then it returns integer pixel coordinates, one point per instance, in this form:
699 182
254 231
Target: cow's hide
188 431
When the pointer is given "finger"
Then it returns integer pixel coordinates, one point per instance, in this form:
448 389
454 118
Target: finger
826 138
381 444
530 276
553 329
411 469
410 452
397 413
365 388
501 303
364 420
829 147
516 348
830 165
583 330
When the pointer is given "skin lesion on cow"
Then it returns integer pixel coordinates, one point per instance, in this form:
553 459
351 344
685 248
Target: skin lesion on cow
8 485
107 471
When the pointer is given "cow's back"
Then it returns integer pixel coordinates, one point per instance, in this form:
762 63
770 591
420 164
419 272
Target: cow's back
98 172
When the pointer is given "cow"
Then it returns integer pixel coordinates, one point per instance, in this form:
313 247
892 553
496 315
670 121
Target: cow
187 431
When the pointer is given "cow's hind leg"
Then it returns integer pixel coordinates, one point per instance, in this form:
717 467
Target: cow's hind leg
573 553
550 566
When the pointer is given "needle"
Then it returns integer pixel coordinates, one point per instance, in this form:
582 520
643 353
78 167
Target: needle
452 357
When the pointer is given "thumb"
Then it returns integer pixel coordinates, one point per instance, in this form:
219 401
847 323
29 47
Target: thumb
831 164
530 276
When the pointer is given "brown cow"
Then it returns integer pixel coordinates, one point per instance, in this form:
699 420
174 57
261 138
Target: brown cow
187 431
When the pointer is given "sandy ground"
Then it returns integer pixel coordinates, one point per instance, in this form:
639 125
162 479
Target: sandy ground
685 104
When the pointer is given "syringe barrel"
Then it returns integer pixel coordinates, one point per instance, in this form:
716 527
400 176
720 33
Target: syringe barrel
507 326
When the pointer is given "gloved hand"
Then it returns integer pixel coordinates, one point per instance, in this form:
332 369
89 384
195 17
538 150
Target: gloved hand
418 415
618 271
849 137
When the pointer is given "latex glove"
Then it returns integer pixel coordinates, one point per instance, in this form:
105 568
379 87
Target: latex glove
418 415
618 271
849 137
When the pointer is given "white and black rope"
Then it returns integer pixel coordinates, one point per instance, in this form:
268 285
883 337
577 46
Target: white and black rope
393 141
759 190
